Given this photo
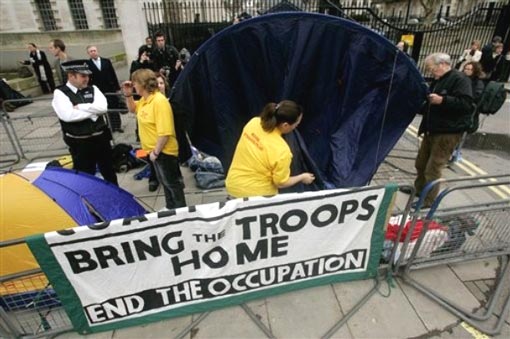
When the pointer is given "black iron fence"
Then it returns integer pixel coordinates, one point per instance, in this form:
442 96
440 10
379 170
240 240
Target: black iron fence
190 23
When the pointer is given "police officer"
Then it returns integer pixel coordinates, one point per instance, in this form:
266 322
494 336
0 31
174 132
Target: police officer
80 109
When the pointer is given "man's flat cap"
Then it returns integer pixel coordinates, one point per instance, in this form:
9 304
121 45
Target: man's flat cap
77 66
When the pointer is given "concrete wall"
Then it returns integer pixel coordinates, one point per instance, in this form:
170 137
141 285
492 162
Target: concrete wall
18 16
133 26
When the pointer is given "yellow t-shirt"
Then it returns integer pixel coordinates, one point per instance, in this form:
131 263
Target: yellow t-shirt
261 162
155 119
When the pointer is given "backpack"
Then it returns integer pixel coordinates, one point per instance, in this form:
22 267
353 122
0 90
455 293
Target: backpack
65 161
123 158
493 97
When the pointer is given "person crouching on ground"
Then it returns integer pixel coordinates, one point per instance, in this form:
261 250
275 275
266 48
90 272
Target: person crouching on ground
262 159
445 118
157 133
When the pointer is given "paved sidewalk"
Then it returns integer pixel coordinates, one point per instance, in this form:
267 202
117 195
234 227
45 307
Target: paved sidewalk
396 312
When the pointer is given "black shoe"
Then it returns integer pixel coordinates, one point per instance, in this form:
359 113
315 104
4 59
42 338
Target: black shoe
153 186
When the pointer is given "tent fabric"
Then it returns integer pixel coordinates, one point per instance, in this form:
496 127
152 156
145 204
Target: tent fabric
57 199
25 210
78 192
339 71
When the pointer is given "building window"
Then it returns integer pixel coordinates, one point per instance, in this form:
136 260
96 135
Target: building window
46 15
109 14
78 14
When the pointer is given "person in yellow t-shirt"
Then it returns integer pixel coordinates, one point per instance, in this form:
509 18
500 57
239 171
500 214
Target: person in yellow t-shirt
261 163
157 133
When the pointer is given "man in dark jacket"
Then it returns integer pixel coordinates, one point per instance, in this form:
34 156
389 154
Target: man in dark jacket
446 116
164 56
105 78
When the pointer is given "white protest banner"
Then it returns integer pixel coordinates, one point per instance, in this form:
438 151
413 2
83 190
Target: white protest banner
131 271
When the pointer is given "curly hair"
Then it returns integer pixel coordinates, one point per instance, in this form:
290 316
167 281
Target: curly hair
477 69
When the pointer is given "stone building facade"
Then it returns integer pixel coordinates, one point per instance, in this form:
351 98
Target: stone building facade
117 27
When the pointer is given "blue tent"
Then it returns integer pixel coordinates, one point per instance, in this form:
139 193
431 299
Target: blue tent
85 198
359 93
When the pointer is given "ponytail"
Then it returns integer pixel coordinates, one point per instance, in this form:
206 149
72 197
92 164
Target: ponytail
268 117
275 114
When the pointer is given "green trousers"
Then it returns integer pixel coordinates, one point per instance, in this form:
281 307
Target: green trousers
434 153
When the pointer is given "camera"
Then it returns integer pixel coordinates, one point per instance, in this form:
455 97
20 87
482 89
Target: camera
184 56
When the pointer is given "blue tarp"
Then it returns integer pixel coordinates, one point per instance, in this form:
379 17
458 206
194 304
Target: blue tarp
359 93
85 198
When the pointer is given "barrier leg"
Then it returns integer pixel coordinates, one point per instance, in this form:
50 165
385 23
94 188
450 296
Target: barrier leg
194 323
474 320
257 321
353 311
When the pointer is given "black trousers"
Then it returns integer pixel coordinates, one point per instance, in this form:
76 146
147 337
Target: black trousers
169 175
91 152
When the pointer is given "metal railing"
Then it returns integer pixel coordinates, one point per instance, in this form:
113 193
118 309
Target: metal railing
189 24
29 307
34 131
459 234
9 155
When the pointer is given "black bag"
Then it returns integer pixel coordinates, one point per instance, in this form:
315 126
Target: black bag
492 99
123 159
9 93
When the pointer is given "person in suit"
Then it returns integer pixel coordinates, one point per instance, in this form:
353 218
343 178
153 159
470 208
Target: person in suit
105 78
42 68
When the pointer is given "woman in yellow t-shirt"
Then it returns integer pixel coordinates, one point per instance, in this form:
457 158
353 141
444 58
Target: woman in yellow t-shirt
157 133
261 163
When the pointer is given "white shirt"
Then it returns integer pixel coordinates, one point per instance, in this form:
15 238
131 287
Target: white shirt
66 112
97 62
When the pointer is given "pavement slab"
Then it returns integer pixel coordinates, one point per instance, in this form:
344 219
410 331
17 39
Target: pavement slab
161 329
476 269
477 292
448 285
307 313
230 322
72 335
381 316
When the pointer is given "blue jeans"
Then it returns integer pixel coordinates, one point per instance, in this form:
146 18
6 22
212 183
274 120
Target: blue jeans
169 176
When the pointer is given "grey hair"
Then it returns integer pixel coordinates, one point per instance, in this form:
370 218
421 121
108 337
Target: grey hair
438 58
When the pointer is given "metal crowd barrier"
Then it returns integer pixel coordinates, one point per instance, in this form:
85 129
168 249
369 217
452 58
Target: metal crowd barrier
460 234
29 307
34 131
9 155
